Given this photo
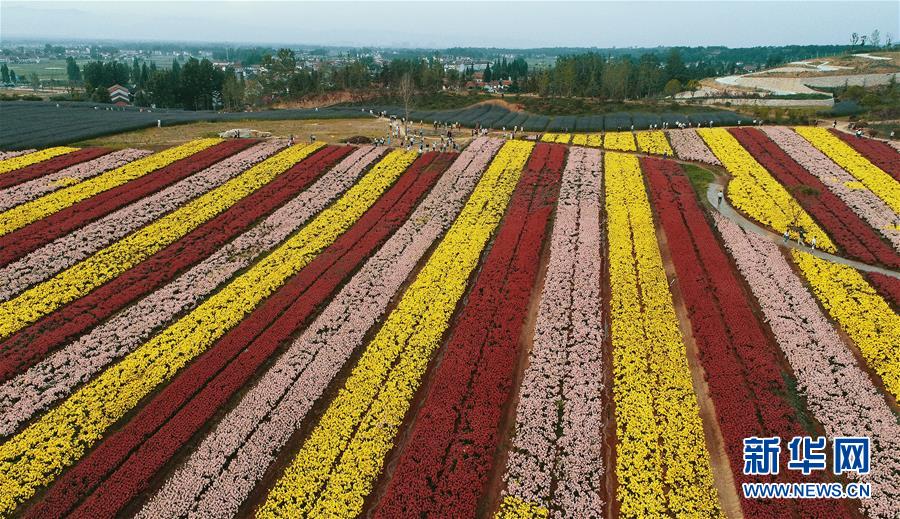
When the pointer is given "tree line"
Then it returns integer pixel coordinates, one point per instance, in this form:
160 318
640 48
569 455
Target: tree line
280 76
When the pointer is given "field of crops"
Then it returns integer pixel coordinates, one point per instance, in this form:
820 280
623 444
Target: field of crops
562 328
37 124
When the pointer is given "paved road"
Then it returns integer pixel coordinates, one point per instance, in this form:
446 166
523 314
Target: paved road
712 193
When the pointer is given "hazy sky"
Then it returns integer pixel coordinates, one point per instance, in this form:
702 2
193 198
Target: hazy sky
440 24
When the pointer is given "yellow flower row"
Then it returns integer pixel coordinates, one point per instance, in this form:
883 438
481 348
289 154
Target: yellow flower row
754 191
860 311
29 212
558 138
662 464
654 142
337 466
83 277
33 158
846 157
580 139
620 141
514 508
34 457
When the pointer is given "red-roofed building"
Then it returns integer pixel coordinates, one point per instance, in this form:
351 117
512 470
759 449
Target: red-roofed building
119 95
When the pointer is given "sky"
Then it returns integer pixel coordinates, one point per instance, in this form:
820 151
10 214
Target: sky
441 24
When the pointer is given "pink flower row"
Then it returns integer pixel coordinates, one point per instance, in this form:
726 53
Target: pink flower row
839 393
67 250
228 463
862 201
10 154
689 146
25 192
565 367
57 375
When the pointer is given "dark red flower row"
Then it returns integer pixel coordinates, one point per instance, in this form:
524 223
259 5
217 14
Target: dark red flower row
847 230
886 286
22 241
742 365
879 153
444 467
47 167
121 467
27 346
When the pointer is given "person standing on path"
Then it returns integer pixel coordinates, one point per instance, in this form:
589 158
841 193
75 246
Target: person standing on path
812 244
786 237
719 203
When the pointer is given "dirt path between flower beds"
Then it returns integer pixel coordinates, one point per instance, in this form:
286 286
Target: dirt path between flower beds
726 210
715 443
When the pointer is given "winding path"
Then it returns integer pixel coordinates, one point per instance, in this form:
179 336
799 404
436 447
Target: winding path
729 212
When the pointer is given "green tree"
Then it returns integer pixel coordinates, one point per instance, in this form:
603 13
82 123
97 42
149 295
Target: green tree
35 81
232 91
675 68
73 71
280 69
4 73
488 75
673 86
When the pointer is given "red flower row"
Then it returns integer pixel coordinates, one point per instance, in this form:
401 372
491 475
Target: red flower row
741 363
444 467
886 286
27 346
842 224
879 153
50 166
22 241
127 460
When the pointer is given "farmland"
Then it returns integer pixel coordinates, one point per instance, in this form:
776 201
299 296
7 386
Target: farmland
564 326
37 124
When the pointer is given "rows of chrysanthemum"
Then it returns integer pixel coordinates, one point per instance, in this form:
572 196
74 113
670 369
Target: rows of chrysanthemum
753 190
838 391
863 202
16 316
662 464
35 456
856 239
10 154
20 192
449 452
339 461
81 358
880 153
742 366
92 198
154 255
220 474
121 467
65 251
849 232
689 146
650 141
882 184
31 212
12 161
49 166
757 194
556 461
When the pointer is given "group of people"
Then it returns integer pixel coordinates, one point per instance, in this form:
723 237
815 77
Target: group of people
801 238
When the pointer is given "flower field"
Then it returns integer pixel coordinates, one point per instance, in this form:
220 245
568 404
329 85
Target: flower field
562 328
